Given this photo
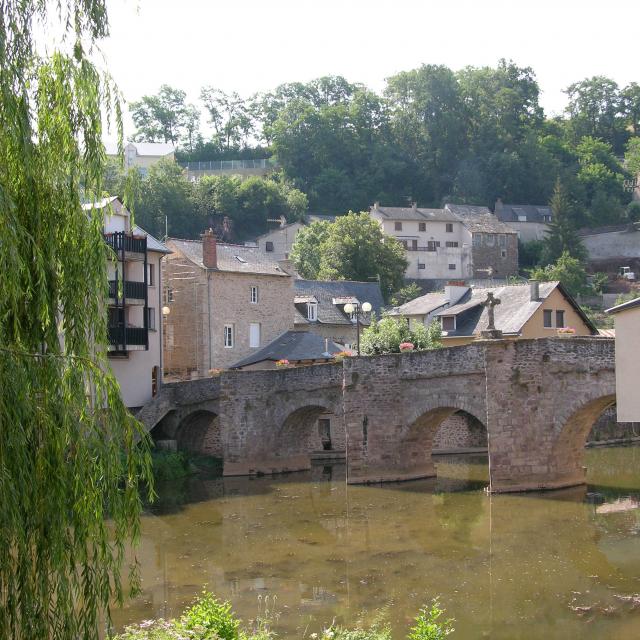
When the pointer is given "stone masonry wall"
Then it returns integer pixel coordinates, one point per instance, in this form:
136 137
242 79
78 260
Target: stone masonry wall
485 255
460 431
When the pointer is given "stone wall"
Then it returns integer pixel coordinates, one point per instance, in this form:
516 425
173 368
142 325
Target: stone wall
607 428
460 431
485 256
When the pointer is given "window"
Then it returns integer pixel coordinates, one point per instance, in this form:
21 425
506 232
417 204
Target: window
548 318
268 246
422 226
404 243
151 278
476 240
449 227
397 226
448 323
503 253
522 218
452 267
151 318
312 311
414 245
559 319
451 244
254 334
420 265
502 240
490 239
168 295
228 336
253 296
116 316
431 245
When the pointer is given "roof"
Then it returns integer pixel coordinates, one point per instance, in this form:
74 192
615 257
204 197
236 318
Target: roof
231 257
294 346
533 212
476 219
329 294
102 203
422 306
513 312
630 304
142 148
153 244
612 228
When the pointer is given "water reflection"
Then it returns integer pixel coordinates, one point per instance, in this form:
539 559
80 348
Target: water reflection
553 565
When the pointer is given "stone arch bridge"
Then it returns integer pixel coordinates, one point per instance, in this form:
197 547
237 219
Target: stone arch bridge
537 398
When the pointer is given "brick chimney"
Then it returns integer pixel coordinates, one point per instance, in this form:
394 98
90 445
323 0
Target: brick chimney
209 250
498 206
534 290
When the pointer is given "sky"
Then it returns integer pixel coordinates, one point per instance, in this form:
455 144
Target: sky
254 45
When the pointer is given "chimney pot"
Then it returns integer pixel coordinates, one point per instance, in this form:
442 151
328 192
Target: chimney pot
209 250
534 290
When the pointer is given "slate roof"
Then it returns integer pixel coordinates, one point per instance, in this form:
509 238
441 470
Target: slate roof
325 291
231 257
476 219
421 306
293 346
630 304
514 310
153 244
534 212
612 228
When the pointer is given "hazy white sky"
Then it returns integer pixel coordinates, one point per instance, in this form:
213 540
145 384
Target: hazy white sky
254 45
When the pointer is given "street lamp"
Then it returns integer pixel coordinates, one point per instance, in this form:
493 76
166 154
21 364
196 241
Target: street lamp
359 312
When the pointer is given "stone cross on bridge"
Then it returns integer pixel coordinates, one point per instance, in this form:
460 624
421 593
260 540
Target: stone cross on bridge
538 400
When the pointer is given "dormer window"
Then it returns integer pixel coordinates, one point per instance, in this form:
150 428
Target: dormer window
312 311
448 323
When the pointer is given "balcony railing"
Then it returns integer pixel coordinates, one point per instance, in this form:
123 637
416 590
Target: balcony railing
229 165
130 289
125 336
119 241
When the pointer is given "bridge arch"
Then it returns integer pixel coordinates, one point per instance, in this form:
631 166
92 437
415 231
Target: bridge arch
199 433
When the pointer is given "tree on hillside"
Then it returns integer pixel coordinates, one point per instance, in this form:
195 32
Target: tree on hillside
386 336
165 117
71 456
406 294
568 270
351 248
561 236
231 117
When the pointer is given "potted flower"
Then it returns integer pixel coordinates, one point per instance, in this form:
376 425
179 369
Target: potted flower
282 364
406 346
566 332
214 373
341 355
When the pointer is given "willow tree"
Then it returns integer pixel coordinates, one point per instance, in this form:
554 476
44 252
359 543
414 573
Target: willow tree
70 467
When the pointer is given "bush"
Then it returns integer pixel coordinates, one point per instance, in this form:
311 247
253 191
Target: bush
388 334
169 465
428 625
211 615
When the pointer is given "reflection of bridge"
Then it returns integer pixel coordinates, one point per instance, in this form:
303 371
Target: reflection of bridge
537 398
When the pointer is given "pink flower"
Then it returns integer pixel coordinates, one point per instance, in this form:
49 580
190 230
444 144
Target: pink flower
406 346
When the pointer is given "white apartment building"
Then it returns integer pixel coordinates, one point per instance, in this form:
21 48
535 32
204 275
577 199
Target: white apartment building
134 305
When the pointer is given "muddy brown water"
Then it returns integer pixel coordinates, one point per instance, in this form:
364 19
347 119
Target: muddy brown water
562 564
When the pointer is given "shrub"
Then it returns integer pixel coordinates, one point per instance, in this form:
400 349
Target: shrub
169 465
428 625
211 615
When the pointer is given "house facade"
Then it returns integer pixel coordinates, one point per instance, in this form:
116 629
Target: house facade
224 302
530 221
319 308
144 154
534 310
627 335
458 241
134 305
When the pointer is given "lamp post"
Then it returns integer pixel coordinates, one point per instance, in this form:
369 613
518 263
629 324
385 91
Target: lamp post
359 311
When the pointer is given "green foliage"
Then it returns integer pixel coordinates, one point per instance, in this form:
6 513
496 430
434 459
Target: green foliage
351 248
428 625
169 465
69 456
530 253
568 270
386 335
214 616
626 297
599 281
406 294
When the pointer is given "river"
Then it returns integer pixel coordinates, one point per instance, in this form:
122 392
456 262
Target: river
560 564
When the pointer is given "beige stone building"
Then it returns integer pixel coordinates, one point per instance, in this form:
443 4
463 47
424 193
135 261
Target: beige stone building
533 310
627 324
224 302
144 154
530 221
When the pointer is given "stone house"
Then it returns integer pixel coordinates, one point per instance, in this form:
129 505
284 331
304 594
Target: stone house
530 221
627 335
224 302
458 241
319 307
134 304
534 310
144 154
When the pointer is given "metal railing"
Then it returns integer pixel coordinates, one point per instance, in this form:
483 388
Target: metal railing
131 289
123 336
120 240
228 165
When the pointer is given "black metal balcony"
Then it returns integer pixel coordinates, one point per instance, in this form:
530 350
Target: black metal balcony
122 337
121 241
130 289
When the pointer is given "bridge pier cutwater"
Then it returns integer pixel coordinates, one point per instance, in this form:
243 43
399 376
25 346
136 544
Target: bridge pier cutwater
538 400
